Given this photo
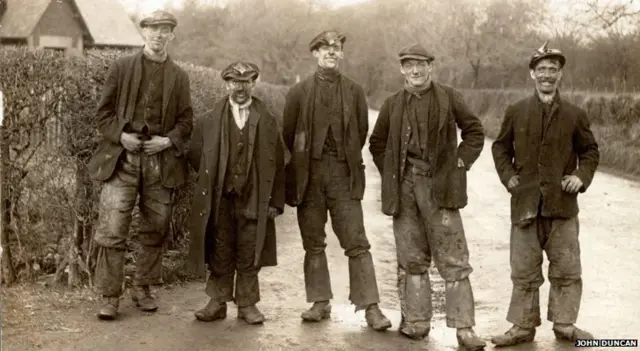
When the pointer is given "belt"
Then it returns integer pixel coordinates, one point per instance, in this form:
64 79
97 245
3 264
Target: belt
417 171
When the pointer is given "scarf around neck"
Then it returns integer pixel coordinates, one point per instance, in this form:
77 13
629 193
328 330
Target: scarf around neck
417 91
328 74
240 112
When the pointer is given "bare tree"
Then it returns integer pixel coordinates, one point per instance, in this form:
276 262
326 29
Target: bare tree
609 13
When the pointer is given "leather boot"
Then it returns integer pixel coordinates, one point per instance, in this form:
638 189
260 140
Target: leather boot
375 319
415 330
109 308
251 314
570 332
141 295
515 335
468 339
320 310
212 311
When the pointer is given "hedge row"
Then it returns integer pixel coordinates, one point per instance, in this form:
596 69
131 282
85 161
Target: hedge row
41 87
615 120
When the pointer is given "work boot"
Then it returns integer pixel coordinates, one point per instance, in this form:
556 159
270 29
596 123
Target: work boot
320 310
570 332
109 309
141 295
515 335
212 311
375 319
468 339
251 314
415 330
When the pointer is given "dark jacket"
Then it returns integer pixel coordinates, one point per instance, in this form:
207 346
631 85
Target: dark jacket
297 124
115 112
390 137
208 153
542 162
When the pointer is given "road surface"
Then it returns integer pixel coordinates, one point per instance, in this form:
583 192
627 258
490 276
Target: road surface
610 309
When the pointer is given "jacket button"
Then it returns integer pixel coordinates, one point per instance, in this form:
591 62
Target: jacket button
206 171
204 192
201 213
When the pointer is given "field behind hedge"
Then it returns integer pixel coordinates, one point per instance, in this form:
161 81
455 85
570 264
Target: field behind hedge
615 121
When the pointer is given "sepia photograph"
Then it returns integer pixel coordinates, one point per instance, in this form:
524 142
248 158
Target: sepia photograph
317 175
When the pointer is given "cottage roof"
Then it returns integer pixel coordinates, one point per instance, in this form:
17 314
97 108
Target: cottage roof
20 19
109 23
106 20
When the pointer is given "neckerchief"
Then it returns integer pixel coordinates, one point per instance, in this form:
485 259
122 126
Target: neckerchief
417 91
328 74
240 112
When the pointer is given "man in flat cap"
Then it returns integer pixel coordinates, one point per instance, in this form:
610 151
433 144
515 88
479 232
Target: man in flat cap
325 127
239 156
545 155
415 147
145 117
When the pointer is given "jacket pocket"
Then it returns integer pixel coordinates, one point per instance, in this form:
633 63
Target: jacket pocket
358 183
524 202
456 185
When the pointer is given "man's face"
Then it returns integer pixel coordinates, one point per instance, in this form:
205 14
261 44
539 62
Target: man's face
417 72
329 55
547 74
240 91
156 37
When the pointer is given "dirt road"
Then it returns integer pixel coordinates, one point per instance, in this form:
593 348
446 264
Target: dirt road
610 309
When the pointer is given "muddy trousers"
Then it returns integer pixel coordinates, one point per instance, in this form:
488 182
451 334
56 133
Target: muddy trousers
136 174
329 191
232 257
559 238
423 229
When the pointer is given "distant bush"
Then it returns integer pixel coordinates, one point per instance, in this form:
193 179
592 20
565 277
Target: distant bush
50 104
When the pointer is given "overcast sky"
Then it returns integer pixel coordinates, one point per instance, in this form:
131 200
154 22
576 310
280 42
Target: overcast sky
149 5
558 5
561 9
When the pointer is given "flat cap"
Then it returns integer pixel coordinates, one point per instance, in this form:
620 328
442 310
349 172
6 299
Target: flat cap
158 17
544 52
415 52
241 70
327 37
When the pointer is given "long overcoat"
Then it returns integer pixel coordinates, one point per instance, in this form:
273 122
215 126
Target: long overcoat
115 111
208 154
